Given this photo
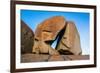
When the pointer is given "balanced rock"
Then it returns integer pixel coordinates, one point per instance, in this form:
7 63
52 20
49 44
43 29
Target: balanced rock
70 41
45 33
27 36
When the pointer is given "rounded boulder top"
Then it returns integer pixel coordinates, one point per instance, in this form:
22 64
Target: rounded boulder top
49 28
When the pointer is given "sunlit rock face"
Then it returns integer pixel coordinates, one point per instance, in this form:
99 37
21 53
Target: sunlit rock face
27 36
46 33
48 29
70 41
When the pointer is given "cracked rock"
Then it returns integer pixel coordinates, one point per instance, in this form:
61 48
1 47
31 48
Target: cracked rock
47 31
70 41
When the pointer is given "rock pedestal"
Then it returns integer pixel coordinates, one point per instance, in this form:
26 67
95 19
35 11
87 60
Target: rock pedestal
50 58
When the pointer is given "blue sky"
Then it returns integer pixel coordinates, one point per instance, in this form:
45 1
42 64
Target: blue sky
33 17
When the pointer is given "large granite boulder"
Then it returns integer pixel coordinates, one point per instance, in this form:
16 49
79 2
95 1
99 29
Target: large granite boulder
46 33
27 37
70 41
48 29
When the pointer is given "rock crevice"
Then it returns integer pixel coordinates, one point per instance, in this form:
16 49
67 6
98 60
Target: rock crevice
49 30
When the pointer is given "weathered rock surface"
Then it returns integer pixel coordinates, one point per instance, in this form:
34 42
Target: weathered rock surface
26 38
78 57
41 47
27 58
48 29
34 58
56 58
70 41
45 33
